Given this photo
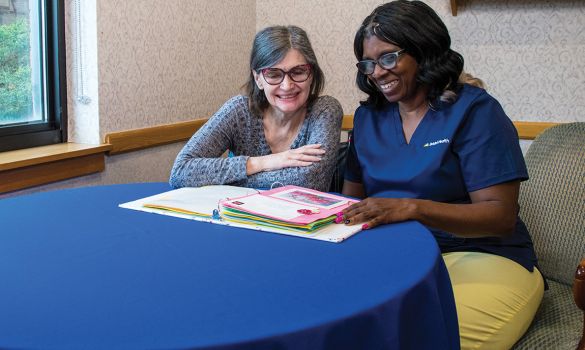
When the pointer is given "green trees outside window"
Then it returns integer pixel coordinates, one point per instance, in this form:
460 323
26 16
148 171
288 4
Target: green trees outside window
15 72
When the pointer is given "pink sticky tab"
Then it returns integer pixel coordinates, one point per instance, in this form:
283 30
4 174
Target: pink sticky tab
308 211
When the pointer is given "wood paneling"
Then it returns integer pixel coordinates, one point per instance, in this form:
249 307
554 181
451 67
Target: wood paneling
454 7
529 130
526 130
347 123
132 140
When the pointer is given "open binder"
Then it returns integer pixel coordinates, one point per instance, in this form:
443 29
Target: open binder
289 210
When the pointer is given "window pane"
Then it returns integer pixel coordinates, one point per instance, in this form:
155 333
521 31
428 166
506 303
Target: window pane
32 73
20 64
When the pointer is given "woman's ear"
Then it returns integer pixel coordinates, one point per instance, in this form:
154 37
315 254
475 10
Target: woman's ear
258 80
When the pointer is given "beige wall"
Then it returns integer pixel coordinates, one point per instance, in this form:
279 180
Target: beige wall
168 61
531 53
160 62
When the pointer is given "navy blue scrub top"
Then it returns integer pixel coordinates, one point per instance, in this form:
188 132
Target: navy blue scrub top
456 149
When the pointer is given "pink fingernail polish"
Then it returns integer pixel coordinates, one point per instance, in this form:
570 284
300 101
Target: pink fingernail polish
338 220
365 226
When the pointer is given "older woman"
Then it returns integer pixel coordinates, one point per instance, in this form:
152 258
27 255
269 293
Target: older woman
282 131
428 147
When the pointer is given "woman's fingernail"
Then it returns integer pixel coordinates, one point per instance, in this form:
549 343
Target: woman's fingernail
347 221
338 219
365 226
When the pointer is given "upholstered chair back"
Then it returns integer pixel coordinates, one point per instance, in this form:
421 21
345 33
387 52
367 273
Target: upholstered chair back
552 201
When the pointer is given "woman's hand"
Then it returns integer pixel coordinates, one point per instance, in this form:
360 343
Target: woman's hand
372 212
302 156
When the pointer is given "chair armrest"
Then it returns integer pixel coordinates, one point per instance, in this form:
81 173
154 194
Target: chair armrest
579 296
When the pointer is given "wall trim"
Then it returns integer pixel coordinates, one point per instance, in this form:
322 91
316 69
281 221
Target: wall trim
529 130
526 130
136 139
42 165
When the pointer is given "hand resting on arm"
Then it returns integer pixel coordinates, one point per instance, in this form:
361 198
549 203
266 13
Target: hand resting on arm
298 157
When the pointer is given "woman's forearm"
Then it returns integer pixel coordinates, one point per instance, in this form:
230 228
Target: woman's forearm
195 172
487 218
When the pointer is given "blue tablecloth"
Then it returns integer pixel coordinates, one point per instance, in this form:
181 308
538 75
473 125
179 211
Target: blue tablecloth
78 272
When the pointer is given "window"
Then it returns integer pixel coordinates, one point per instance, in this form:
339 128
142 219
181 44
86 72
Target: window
32 73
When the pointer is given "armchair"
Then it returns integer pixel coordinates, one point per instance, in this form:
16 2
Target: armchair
552 204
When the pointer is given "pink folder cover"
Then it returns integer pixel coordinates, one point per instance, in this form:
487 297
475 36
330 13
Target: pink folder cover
311 205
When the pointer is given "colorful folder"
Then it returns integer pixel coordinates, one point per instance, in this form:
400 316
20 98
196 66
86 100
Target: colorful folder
290 208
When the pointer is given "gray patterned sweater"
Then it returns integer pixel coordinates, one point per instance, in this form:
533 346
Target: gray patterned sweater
234 128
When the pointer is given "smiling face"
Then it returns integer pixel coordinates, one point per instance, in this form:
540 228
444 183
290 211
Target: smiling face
288 97
399 83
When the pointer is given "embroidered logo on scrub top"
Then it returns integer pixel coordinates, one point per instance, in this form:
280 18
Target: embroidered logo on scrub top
434 143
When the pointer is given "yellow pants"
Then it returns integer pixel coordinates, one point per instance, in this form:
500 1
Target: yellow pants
496 298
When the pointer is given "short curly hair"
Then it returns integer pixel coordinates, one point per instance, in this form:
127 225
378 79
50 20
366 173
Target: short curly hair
416 28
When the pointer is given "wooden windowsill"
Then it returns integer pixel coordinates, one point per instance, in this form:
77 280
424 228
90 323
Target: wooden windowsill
45 154
41 165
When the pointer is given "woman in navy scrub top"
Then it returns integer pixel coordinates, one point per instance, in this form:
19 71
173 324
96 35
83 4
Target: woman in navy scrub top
428 147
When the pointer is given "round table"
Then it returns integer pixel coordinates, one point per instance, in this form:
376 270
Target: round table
78 272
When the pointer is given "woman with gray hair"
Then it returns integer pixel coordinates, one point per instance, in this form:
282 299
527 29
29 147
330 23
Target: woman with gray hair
281 132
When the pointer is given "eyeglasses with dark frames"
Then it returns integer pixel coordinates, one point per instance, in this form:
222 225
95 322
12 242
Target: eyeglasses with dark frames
386 61
298 74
